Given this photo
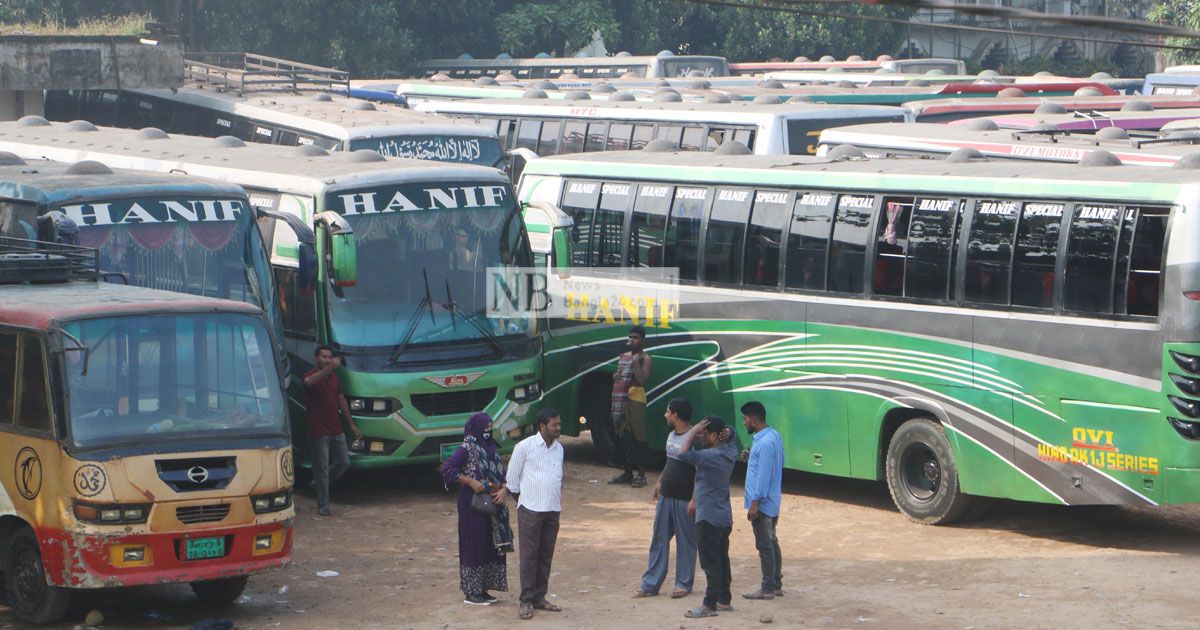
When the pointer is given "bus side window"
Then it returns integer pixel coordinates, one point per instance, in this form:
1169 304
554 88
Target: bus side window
34 403
693 139
669 132
683 232
1035 255
63 104
808 241
716 136
608 229
579 201
647 229
989 251
8 377
642 135
137 111
745 136
506 132
573 136
724 235
891 246
932 234
848 247
287 138
548 144
527 134
618 137
1143 237
764 238
101 107
596 134
1091 249
299 308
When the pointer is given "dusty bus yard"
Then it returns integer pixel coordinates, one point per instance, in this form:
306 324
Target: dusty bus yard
850 561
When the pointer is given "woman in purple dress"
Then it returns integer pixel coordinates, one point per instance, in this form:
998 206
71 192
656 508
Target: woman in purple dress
482 540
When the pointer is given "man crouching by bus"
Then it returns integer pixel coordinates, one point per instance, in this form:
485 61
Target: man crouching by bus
323 399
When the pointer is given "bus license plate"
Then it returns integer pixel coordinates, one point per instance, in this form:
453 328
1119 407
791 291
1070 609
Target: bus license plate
201 548
448 449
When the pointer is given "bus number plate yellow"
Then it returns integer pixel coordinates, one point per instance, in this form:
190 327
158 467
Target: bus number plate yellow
201 548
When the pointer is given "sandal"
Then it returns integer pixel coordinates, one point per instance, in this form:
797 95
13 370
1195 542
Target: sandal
680 592
545 605
697 613
525 612
638 594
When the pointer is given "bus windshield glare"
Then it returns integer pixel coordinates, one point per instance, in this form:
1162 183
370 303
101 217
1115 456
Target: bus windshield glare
459 149
200 246
425 254
178 376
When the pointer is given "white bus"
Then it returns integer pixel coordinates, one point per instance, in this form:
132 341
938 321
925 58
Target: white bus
551 128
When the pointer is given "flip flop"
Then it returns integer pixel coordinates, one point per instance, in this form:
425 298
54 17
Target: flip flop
679 592
545 605
526 612
697 613
640 593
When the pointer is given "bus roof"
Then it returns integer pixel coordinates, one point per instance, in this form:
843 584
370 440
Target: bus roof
639 110
305 170
43 306
328 114
1001 178
934 139
1083 121
48 182
967 107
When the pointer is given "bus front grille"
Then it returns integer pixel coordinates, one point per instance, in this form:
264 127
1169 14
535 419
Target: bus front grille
453 402
193 514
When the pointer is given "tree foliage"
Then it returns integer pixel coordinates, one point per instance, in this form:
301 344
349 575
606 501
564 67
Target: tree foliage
1183 13
372 37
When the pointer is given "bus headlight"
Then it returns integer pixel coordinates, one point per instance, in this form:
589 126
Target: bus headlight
111 513
525 393
373 406
273 502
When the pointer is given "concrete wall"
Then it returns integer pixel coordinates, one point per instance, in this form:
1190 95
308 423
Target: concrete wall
34 62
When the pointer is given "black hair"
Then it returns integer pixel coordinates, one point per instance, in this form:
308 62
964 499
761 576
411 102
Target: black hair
681 407
546 415
716 424
638 330
317 352
755 410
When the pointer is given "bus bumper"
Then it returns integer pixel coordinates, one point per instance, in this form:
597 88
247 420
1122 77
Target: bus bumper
99 560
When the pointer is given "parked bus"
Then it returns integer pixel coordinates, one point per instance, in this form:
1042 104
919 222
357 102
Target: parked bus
961 330
1052 117
406 338
934 140
856 64
549 128
146 433
1174 81
946 110
663 65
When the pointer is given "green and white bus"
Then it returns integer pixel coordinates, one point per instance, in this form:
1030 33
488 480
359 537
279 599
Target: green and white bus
402 251
963 330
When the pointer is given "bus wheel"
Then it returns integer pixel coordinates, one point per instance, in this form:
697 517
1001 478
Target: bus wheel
922 475
599 422
222 591
29 594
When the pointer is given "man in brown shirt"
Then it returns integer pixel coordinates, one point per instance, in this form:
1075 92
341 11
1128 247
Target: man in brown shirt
323 400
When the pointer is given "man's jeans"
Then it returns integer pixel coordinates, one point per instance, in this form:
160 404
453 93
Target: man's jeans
328 451
769 556
671 520
714 559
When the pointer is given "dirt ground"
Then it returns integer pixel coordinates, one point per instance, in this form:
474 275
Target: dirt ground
850 561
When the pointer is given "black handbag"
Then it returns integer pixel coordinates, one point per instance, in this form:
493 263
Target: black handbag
482 503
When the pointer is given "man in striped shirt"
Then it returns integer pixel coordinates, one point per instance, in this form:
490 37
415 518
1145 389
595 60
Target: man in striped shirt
535 476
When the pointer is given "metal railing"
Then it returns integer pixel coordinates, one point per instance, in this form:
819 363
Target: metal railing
25 260
248 72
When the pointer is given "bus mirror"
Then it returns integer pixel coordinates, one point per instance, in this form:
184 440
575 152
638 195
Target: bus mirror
562 253
307 255
345 259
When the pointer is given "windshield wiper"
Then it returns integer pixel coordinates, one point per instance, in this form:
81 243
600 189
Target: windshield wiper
425 303
472 319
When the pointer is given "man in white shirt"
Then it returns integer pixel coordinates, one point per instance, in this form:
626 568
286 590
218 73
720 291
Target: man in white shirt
535 477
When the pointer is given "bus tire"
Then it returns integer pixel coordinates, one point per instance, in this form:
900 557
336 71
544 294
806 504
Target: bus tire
922 475
221 591
29 594
599 422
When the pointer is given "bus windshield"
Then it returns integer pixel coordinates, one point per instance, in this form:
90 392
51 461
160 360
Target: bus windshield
195 245
174 376
460 149
424 256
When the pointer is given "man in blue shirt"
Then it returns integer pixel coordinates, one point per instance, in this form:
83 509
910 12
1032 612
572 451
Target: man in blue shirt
764 489
714 515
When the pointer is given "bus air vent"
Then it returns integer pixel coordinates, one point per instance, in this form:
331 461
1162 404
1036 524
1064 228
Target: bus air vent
80 125
8 158
1189 430
1190 386
88 167
533 93
453 402
1100 157
667 97
193 514
767 99
966 154
1186 361
660 145
717 98
32 121
152 133
1190 408
1112 133
603 88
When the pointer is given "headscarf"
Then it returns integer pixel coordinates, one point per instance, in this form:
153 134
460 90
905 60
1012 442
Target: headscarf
477 458
477 430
